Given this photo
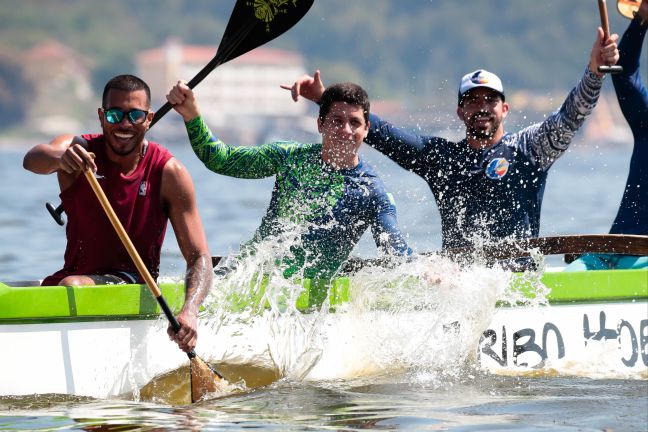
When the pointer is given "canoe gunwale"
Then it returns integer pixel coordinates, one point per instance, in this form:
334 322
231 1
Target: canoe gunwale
29 305
77 319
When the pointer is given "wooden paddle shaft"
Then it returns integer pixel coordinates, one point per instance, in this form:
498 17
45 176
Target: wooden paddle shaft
203 378
207 377
130 248
121 232
604 18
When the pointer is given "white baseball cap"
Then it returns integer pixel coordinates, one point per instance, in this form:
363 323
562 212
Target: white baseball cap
480 78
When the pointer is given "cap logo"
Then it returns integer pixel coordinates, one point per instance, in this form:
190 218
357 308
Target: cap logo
497 168
476 78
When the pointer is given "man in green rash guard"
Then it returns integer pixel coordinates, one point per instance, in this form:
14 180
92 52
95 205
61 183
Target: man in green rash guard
325 189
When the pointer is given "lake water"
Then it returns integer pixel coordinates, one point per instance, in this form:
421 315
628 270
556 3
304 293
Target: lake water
583 192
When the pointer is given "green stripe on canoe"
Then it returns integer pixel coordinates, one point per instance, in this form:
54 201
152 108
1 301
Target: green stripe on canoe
98 302
119 302
123 302
314 292
591 286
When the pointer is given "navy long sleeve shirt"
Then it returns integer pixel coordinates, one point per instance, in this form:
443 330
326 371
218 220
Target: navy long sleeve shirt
492 193
632 217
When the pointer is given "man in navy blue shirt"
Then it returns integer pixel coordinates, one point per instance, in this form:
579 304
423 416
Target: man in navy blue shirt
632 217
488 186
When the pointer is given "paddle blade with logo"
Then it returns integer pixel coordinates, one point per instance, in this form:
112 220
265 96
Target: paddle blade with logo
252 24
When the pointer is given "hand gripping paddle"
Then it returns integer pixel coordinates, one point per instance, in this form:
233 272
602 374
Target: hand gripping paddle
606 34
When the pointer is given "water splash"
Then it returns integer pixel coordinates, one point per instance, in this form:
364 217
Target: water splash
423 315
417 318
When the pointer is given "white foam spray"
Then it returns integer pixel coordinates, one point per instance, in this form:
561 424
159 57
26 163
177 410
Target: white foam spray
423 315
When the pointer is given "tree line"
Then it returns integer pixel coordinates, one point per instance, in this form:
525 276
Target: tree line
408 49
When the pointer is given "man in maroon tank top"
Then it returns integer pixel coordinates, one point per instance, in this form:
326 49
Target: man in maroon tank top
145 185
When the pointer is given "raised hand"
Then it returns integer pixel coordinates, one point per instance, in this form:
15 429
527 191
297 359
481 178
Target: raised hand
309 87
184 101
604 51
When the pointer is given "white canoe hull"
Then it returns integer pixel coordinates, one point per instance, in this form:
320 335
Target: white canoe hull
99 359
109 341
111 358
597 340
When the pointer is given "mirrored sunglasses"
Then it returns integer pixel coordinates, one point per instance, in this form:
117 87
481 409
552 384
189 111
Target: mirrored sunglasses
115 115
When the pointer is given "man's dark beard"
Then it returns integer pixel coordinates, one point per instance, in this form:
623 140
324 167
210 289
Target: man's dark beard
121 152
483 134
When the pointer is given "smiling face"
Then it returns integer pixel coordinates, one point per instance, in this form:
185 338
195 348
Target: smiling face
124 137
343 129
482 110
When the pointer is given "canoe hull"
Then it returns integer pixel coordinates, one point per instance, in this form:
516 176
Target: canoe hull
97 358
595 340
110 341
109 358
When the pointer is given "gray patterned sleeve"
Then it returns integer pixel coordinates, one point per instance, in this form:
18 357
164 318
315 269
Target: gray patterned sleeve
548 140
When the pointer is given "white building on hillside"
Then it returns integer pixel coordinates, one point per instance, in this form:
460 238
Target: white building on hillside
239 99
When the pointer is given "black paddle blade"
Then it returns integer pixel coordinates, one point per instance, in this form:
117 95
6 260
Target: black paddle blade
256 22
252 24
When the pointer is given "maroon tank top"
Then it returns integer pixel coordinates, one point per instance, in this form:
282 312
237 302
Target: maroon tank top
93 246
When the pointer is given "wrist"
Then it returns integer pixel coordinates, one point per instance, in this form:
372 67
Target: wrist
593 75
190 116
191 119
593 69
190 309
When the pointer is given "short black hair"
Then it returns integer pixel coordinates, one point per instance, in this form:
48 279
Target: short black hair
129 83
347 92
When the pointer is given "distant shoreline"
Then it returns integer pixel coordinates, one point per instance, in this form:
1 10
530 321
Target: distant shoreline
580 144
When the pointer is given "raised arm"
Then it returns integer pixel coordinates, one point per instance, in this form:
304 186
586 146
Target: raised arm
630 91
242 162
548 140
406 149
179 196
306 86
